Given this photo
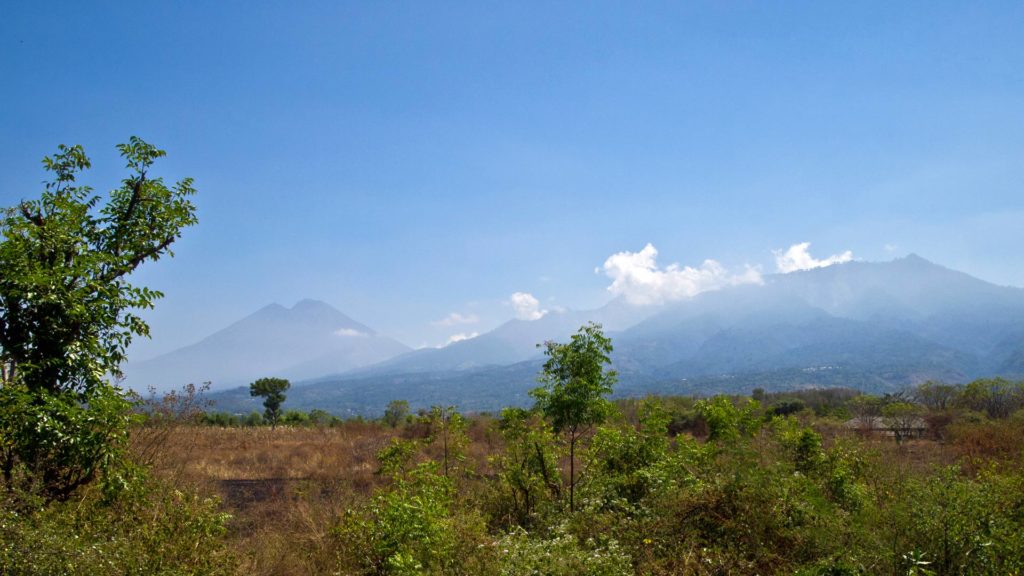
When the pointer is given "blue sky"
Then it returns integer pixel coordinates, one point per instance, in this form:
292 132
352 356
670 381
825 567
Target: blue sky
408 161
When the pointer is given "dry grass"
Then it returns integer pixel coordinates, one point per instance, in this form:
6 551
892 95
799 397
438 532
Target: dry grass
285 488
324 453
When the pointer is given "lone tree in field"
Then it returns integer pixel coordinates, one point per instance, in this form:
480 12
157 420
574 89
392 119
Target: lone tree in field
67 315
574 386
272 390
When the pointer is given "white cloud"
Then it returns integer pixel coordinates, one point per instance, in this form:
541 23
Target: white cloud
798 257
459 338
526 306
349 333
637 277
456 319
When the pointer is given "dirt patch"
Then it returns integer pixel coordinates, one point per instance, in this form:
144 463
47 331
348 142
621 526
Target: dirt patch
241 494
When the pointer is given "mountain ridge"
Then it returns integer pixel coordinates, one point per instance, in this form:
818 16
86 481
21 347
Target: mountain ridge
880 326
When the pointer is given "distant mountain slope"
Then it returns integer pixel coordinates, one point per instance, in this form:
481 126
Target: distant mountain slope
512 342
472 389
911 286
839 309
875 326
308 340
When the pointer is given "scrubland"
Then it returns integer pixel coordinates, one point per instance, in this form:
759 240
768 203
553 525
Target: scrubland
667 486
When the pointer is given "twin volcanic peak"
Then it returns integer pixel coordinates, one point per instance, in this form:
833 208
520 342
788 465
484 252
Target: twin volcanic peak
307 340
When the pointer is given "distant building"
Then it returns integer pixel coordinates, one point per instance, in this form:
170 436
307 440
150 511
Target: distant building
902 428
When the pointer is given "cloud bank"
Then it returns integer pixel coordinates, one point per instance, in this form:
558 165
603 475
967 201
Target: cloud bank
349 333
637 277
798 257
526 306
456 319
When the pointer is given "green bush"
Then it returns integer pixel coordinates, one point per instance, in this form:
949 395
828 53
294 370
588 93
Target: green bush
52 444
412 526
153 530
726 421
529 483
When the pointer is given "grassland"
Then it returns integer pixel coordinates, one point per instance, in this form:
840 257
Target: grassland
798 493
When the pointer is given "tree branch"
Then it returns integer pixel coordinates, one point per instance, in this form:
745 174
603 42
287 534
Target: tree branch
36 218
128 267
129 211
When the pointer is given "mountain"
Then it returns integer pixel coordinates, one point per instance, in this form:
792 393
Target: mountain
876 326
308 340
512 342
893 323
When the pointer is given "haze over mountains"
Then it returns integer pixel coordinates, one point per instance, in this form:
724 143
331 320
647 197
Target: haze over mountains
875 326
308 340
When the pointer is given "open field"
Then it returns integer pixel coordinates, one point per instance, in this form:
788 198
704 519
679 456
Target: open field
285 488
292 490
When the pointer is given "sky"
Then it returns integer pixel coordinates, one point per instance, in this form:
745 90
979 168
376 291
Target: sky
433 169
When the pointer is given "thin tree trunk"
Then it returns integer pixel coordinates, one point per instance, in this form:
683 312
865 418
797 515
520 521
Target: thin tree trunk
443 423
572 473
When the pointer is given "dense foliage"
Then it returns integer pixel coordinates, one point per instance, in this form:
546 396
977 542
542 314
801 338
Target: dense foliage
66 305
67 314
74 498
789 483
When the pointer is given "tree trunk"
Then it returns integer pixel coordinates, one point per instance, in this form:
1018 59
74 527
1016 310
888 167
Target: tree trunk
572 473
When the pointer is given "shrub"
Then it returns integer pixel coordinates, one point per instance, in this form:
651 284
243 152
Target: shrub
410 527
561 555
179 533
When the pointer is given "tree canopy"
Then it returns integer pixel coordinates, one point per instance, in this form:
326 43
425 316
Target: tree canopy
272 391
574 382
574 386
66 303
67 315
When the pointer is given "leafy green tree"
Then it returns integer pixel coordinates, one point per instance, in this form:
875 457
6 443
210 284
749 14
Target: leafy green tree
808 455
294 418
627 462
574 387
272 391
65 300
997 397
322 418
396 412
67 315
253 419
413 525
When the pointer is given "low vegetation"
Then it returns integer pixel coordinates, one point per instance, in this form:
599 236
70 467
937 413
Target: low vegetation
787 483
